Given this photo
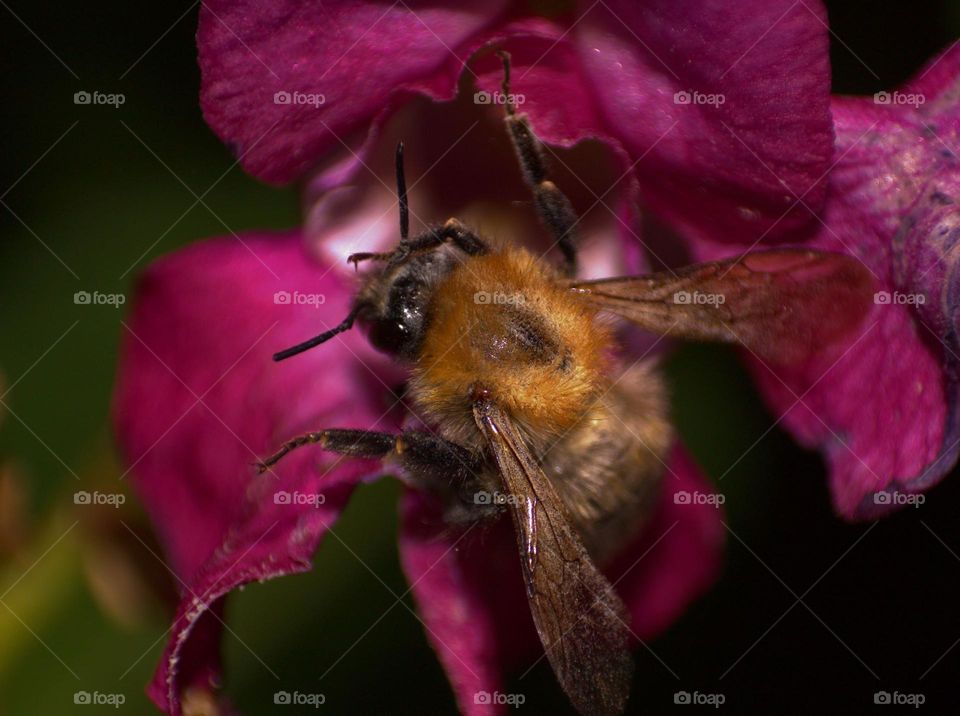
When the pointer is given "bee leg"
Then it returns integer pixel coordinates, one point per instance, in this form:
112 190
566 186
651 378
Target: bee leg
553 207
451 471
431 461
453 231
355 443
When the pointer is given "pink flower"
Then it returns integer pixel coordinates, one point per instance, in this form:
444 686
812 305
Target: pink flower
682 98
884 413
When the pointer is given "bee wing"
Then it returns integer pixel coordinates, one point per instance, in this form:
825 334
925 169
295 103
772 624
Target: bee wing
782 303
581 620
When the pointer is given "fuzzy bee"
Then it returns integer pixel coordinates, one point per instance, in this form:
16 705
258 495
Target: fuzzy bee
513 376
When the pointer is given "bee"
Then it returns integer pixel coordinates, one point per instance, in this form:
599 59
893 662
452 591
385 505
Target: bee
513 374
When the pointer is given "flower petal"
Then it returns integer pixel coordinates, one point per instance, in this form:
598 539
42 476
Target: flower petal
726 106
336 65
468 588
198 399
884 408
459 161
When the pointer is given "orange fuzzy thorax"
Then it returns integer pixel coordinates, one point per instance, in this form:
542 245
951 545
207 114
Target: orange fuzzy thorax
482 317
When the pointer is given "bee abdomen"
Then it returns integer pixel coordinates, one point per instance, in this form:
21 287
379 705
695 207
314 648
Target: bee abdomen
608 469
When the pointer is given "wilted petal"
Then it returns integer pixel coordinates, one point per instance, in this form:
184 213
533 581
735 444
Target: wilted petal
741 159
468 587
349 62
199 399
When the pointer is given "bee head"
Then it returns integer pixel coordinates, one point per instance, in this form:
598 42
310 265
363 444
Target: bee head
393 306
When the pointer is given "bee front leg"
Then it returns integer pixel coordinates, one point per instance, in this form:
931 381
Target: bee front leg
355 443
429 462
451 232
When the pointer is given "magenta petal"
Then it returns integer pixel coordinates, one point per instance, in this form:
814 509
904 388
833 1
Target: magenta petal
336 65
470 595
877 411
547 77
679 554
885 412
198 399
742 161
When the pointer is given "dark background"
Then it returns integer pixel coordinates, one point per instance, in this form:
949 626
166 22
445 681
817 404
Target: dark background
884 618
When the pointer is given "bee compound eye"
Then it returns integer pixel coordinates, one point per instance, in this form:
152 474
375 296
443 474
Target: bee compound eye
389 336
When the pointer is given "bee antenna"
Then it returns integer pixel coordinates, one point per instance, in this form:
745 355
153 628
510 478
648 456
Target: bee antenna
345 325
402 194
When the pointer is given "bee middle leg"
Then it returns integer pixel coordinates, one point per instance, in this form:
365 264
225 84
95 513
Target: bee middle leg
553 207
429 461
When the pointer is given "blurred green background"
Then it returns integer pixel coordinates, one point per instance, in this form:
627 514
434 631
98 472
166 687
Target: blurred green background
76 183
